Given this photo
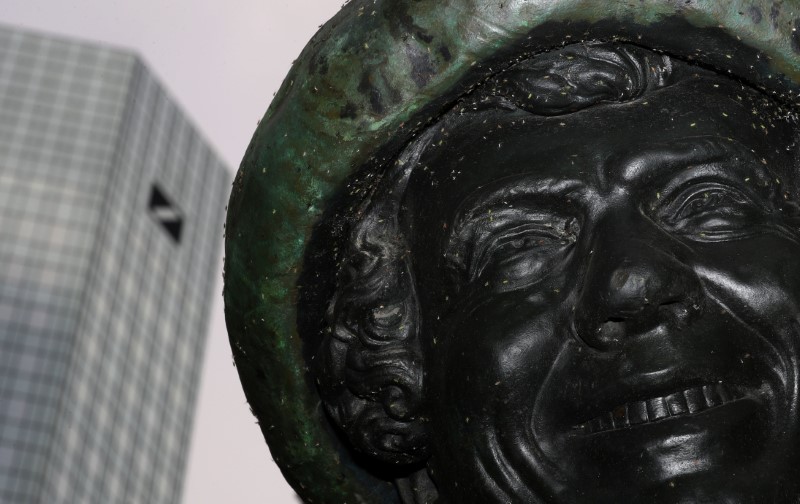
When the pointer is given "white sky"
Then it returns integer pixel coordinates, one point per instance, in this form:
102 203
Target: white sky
222 61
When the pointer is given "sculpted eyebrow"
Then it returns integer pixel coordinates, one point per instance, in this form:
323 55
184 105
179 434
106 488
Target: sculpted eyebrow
542 196
543 193
705 149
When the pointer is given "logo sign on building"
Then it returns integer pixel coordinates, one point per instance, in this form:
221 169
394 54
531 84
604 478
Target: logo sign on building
165 213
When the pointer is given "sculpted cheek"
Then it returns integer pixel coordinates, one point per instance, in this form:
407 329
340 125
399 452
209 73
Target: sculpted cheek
753 284
515 328
500 352
741 291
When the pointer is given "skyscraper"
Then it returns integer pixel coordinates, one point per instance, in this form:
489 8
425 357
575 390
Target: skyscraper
111 208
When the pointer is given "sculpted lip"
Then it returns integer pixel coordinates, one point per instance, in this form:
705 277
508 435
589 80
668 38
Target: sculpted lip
655 409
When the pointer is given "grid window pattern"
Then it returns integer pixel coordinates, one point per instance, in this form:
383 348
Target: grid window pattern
103 315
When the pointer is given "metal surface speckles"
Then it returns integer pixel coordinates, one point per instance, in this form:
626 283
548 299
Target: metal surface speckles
365 84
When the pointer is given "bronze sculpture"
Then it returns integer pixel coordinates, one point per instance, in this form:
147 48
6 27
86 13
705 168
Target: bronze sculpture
571 279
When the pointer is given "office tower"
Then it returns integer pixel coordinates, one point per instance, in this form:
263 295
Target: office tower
111 208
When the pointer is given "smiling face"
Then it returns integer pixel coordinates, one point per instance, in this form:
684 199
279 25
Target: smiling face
609 301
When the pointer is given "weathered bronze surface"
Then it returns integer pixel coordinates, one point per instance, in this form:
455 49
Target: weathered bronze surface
527 251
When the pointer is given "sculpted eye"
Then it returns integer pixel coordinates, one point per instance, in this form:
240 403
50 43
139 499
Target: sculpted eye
529 240
523 252
712 211
709 201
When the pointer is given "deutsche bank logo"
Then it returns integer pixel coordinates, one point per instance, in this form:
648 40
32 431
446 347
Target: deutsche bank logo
166 213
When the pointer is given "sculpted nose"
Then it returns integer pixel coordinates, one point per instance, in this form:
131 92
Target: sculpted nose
633 286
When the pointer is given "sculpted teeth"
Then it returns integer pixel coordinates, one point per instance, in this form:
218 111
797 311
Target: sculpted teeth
651 410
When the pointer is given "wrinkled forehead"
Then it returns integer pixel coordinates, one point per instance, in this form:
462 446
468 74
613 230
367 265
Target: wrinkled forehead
698 119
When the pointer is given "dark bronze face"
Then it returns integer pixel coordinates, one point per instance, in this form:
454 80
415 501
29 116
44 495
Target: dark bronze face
609 301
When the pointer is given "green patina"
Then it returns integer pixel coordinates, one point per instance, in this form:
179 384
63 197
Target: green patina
365 78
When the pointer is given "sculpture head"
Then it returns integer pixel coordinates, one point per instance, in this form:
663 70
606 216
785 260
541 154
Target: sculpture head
566 276
561 291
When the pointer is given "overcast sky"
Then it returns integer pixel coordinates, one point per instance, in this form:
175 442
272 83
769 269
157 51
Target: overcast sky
222 61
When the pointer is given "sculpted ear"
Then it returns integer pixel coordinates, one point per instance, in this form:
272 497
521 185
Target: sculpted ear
370 370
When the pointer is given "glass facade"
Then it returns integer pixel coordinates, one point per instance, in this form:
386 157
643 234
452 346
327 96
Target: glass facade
111 208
